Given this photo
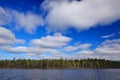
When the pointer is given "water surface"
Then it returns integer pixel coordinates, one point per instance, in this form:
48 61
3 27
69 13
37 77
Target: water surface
59 74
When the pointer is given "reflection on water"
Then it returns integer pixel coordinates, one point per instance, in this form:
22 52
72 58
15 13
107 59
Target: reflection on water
59 74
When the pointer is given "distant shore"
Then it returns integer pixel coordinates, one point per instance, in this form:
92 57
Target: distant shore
59 64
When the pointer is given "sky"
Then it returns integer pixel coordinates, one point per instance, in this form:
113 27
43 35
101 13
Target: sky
55 29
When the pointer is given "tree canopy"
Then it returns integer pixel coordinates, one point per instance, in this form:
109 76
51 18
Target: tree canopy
59 63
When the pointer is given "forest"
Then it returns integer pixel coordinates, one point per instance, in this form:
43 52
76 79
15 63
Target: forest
58 63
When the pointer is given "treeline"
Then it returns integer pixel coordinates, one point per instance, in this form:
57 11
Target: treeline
61 63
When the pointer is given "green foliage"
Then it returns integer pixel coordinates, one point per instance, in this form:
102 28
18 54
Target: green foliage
61 63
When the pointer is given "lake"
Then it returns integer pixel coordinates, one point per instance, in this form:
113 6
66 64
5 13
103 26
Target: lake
59 74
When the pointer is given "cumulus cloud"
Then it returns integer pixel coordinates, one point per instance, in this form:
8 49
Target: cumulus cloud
64 14
9 48
39 47
109 47
5 17
108 36
80 15
7 37
55 45
55 41
77 47
27 21
84 54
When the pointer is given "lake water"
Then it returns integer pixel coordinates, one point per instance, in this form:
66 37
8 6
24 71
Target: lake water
59 74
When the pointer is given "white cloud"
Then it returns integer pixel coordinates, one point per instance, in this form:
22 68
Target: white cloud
71 48
49 44
7 37
84 52
54 54
20 49
109 47
80 15
6 33
77 47
55 44
108 36
27 21
35 52
84 46
55 41
5 17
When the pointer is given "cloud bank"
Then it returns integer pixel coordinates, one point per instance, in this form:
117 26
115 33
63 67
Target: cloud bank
81 15
7 37
27 21
55 41
57 45
61 15
64 14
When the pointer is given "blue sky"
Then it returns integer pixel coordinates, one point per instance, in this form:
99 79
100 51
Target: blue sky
44 29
